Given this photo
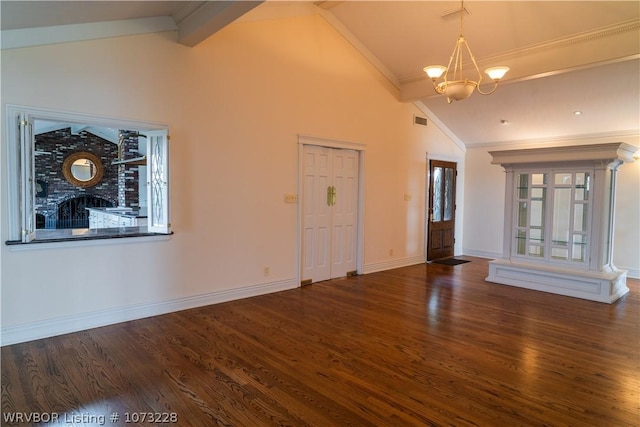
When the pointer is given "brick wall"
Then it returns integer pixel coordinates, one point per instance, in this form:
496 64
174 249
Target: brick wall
51 186
128 176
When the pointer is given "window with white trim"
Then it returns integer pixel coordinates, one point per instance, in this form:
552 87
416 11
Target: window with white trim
94 167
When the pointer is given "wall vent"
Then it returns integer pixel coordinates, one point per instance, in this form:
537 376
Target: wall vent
417 120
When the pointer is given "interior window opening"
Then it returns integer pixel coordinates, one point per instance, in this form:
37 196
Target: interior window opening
77 178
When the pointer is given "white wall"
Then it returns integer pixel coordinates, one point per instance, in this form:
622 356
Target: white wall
235 105
484 204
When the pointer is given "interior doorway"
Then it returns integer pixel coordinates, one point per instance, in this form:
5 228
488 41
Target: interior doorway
441 209
329 212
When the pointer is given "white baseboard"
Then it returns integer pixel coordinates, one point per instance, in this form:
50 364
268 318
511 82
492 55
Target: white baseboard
633 273
482 254
391 264
79 322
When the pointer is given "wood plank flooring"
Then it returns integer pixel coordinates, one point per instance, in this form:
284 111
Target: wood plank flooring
426 345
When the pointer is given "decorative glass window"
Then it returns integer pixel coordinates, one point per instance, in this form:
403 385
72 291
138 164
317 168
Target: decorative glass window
552 215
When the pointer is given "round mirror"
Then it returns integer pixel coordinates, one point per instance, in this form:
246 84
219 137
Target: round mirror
82 169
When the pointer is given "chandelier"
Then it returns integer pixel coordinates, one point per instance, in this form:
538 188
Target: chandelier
455 86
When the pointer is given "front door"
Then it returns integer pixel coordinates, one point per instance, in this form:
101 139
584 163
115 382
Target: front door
442 209
329 212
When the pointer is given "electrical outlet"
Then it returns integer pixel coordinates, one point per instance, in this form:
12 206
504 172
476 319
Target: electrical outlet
390 252
408 197
267 271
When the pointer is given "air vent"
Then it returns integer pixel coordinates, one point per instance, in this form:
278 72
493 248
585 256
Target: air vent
417 120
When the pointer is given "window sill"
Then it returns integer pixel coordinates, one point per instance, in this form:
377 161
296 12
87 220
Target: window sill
87 237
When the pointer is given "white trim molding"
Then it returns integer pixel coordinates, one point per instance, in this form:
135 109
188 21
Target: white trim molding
340 144
331 143
481 254
633 273
359 46
80 322
394 263
27 37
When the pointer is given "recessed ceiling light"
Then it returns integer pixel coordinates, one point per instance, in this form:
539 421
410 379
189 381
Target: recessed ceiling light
504 122
577 113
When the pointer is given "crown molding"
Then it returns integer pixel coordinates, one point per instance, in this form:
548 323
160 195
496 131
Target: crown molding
562 154
280 10
28 37
612 32
358 45
632 137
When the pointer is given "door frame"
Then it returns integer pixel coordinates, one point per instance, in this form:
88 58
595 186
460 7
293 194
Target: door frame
427 187
331 143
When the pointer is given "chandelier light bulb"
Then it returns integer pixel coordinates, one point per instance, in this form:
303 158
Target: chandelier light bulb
496 73
435 71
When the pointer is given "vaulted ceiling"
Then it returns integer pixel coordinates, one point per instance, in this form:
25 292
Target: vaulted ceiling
565 56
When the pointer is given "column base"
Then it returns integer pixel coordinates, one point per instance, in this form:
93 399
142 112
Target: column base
598 286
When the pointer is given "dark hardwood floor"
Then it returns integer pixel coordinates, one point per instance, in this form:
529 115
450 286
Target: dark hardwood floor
427 345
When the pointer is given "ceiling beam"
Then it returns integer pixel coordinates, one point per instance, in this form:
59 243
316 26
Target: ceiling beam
605 45
208 17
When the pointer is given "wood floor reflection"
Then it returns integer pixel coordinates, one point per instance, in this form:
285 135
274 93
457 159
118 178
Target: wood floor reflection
422 345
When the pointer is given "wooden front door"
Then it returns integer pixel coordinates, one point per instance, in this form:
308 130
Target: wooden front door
442 209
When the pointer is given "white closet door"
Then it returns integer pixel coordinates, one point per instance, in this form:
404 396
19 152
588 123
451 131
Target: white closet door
345 178
330 195
316 251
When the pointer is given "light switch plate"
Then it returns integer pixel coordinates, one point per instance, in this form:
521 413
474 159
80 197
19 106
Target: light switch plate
290 198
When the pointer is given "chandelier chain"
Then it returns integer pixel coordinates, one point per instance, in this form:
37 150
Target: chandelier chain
461 15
